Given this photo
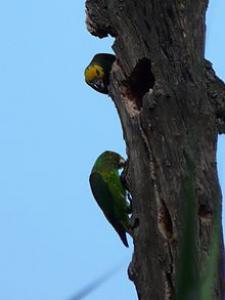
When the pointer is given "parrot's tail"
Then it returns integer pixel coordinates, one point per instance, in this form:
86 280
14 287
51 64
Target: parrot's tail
123 237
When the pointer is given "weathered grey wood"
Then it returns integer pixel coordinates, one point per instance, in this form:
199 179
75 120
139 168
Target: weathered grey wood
171 106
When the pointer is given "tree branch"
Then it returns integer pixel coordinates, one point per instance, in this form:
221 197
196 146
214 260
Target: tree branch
167 98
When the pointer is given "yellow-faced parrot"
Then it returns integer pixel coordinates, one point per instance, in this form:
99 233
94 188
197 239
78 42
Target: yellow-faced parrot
98 71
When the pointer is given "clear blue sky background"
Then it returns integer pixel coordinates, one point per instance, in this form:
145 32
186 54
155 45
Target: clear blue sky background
54 239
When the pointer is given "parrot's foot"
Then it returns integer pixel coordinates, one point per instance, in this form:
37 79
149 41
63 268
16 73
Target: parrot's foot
124 176
133 224
129 205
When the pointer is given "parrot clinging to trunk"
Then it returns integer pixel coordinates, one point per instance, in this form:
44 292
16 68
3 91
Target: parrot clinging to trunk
98 71
109 191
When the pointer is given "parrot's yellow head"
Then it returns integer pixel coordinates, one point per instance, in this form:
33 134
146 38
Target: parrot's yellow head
94 76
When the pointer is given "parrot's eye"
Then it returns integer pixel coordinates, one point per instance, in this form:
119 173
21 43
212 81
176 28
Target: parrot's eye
97 72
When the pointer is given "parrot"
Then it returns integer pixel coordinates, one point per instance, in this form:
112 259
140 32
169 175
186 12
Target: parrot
109 192
98 71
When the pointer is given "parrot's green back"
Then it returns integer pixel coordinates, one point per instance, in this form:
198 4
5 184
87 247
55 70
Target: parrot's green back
109 192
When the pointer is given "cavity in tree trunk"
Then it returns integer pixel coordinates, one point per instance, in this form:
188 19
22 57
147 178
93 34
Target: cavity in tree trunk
172 108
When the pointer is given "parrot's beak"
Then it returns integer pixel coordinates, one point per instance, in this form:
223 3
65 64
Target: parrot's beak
122 162
98 85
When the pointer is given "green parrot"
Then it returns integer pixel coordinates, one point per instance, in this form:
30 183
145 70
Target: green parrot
98 71
109 191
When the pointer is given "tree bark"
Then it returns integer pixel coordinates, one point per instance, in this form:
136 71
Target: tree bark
172 107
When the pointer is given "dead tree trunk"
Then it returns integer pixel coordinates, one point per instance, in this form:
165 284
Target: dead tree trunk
172 107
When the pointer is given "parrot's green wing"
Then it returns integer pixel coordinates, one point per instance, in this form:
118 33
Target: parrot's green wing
107 203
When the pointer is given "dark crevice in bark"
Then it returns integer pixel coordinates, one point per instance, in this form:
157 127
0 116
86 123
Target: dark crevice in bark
205 213
169 288
140 81
165 224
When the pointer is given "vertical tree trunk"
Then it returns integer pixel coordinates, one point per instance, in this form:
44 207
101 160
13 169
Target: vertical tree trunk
172 107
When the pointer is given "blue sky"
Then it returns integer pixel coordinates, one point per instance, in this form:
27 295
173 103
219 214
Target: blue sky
54 239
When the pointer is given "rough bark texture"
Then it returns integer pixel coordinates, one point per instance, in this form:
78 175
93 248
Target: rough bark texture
172 107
